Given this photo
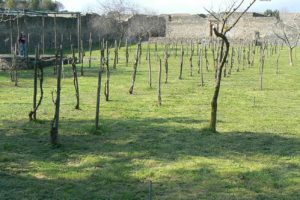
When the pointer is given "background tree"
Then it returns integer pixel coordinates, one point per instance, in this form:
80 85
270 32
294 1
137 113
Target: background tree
144 27
34 4
288 30
117 11
272 13
10 4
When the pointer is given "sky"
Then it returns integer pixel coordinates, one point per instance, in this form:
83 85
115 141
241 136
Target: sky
185 6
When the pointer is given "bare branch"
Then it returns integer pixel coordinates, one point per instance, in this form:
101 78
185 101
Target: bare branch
241 15
235 9
213 14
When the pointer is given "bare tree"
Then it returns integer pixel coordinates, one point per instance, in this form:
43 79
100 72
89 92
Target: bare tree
116 10
37 65
102 63
145 26
55 122
136 63
75 80
289 32
226 20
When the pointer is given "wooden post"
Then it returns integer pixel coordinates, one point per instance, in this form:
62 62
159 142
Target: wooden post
70 41
150 191
201 66
18 30
43 34
191 59
107 92
159 83
115 55
150 68
206 58
102 61
261 71
232 60
55 33
11 35
81 54
90 50
14 66
181 62
78 37
28 46
167 55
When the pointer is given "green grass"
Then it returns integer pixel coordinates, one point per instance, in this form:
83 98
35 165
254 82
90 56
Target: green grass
255 155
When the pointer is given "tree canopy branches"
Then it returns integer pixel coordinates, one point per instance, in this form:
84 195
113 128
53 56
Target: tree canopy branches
48 5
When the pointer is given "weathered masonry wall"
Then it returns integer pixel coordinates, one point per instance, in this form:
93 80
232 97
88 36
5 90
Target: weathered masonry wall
186 26
66 29
170 27
199 26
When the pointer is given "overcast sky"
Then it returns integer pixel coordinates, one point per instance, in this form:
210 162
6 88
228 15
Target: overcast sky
185 6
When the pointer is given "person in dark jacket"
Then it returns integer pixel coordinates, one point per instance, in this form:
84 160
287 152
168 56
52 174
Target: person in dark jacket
23 45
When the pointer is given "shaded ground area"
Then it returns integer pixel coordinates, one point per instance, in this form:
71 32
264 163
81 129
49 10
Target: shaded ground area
255 155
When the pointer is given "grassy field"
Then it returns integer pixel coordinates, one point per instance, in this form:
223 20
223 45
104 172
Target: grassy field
255 155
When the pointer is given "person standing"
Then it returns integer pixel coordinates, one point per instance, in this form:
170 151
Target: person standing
22 45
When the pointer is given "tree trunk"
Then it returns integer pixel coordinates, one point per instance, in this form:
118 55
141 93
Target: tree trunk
181 62
127 53
200 65
32 114
214 102
206 58
191 60
277 62
135 68
291 56
55 122
167 64
232 60
15 67
262 67
98 97
116 55
75 81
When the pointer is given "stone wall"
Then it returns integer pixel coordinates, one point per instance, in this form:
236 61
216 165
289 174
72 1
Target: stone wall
66 27
186 26
177 26
198 26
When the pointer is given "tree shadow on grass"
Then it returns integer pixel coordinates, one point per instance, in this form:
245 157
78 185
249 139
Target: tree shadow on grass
30 167
152 137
